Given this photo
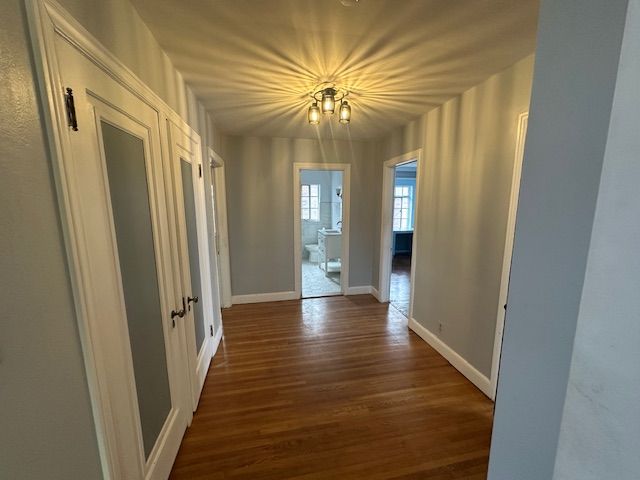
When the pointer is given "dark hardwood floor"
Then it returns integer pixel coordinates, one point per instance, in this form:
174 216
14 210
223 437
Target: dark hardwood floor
333 388
400 284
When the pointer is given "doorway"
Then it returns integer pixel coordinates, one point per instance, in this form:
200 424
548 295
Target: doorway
523 121
402 220
400 185
220 228
321 223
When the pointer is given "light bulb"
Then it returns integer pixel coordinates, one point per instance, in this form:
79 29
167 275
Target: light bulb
345 112
328 100
314 114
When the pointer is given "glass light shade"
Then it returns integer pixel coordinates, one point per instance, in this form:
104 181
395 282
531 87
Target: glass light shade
314 114
345 112
328 101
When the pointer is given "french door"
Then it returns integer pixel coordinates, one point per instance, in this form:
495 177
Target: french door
117 189
192 244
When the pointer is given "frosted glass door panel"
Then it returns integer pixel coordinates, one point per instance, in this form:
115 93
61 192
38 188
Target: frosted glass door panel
125 160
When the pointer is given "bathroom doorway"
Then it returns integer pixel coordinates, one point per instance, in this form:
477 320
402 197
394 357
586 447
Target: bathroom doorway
399 215
321 229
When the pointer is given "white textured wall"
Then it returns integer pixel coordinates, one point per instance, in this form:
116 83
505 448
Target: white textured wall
600 430
574 82
468 156
46 424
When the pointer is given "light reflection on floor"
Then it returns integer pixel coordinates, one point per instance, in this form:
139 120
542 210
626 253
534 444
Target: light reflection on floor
400 285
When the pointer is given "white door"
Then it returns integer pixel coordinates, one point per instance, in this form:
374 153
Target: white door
193 247
117 190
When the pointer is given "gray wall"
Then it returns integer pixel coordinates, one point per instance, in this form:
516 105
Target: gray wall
574 79
46 421
600 430
260 207
468 157
47 425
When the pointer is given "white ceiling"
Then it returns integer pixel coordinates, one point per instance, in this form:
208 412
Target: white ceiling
254 62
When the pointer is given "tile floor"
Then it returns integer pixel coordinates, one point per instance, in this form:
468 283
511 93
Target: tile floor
400 288
316 284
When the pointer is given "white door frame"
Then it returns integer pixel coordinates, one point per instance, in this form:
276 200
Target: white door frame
345 168
386 223
523 119
216 163
184 144
47 21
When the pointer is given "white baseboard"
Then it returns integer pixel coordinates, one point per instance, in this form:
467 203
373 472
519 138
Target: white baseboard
361 290
375 293
264 297
216 341
459 363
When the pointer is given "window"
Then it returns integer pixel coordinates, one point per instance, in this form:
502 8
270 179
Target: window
310 202
403 208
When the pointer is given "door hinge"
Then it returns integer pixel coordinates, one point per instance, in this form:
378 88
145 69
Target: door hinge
69 103
211 330
200 170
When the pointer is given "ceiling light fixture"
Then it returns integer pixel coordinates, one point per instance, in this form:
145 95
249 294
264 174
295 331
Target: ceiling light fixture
314 114
345 112
327 95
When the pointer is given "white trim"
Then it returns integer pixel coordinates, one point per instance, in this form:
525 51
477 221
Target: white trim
47 21
265 297
216 341
222 228
375 293
386 223
459 363
362 290
184 145
508 250
346 220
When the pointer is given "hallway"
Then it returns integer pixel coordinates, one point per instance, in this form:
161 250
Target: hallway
336 387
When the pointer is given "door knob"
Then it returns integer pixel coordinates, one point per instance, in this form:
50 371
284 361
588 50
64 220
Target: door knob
179 313
192 299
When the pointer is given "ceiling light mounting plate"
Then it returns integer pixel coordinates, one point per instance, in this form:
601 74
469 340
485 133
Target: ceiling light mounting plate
329 89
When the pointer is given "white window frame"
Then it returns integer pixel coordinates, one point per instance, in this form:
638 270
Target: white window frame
309 210
409 208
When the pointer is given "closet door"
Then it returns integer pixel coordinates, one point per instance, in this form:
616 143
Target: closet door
117 192
193 247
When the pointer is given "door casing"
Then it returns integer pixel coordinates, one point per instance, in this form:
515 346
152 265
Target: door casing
216 163
523 120
386 223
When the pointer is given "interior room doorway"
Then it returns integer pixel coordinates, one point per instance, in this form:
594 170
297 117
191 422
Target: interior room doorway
399 217
321 229
403 214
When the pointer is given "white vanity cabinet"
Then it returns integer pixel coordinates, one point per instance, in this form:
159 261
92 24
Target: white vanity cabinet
329 250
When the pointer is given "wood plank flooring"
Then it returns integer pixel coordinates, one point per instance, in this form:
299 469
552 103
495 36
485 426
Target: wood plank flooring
400 283
333 388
